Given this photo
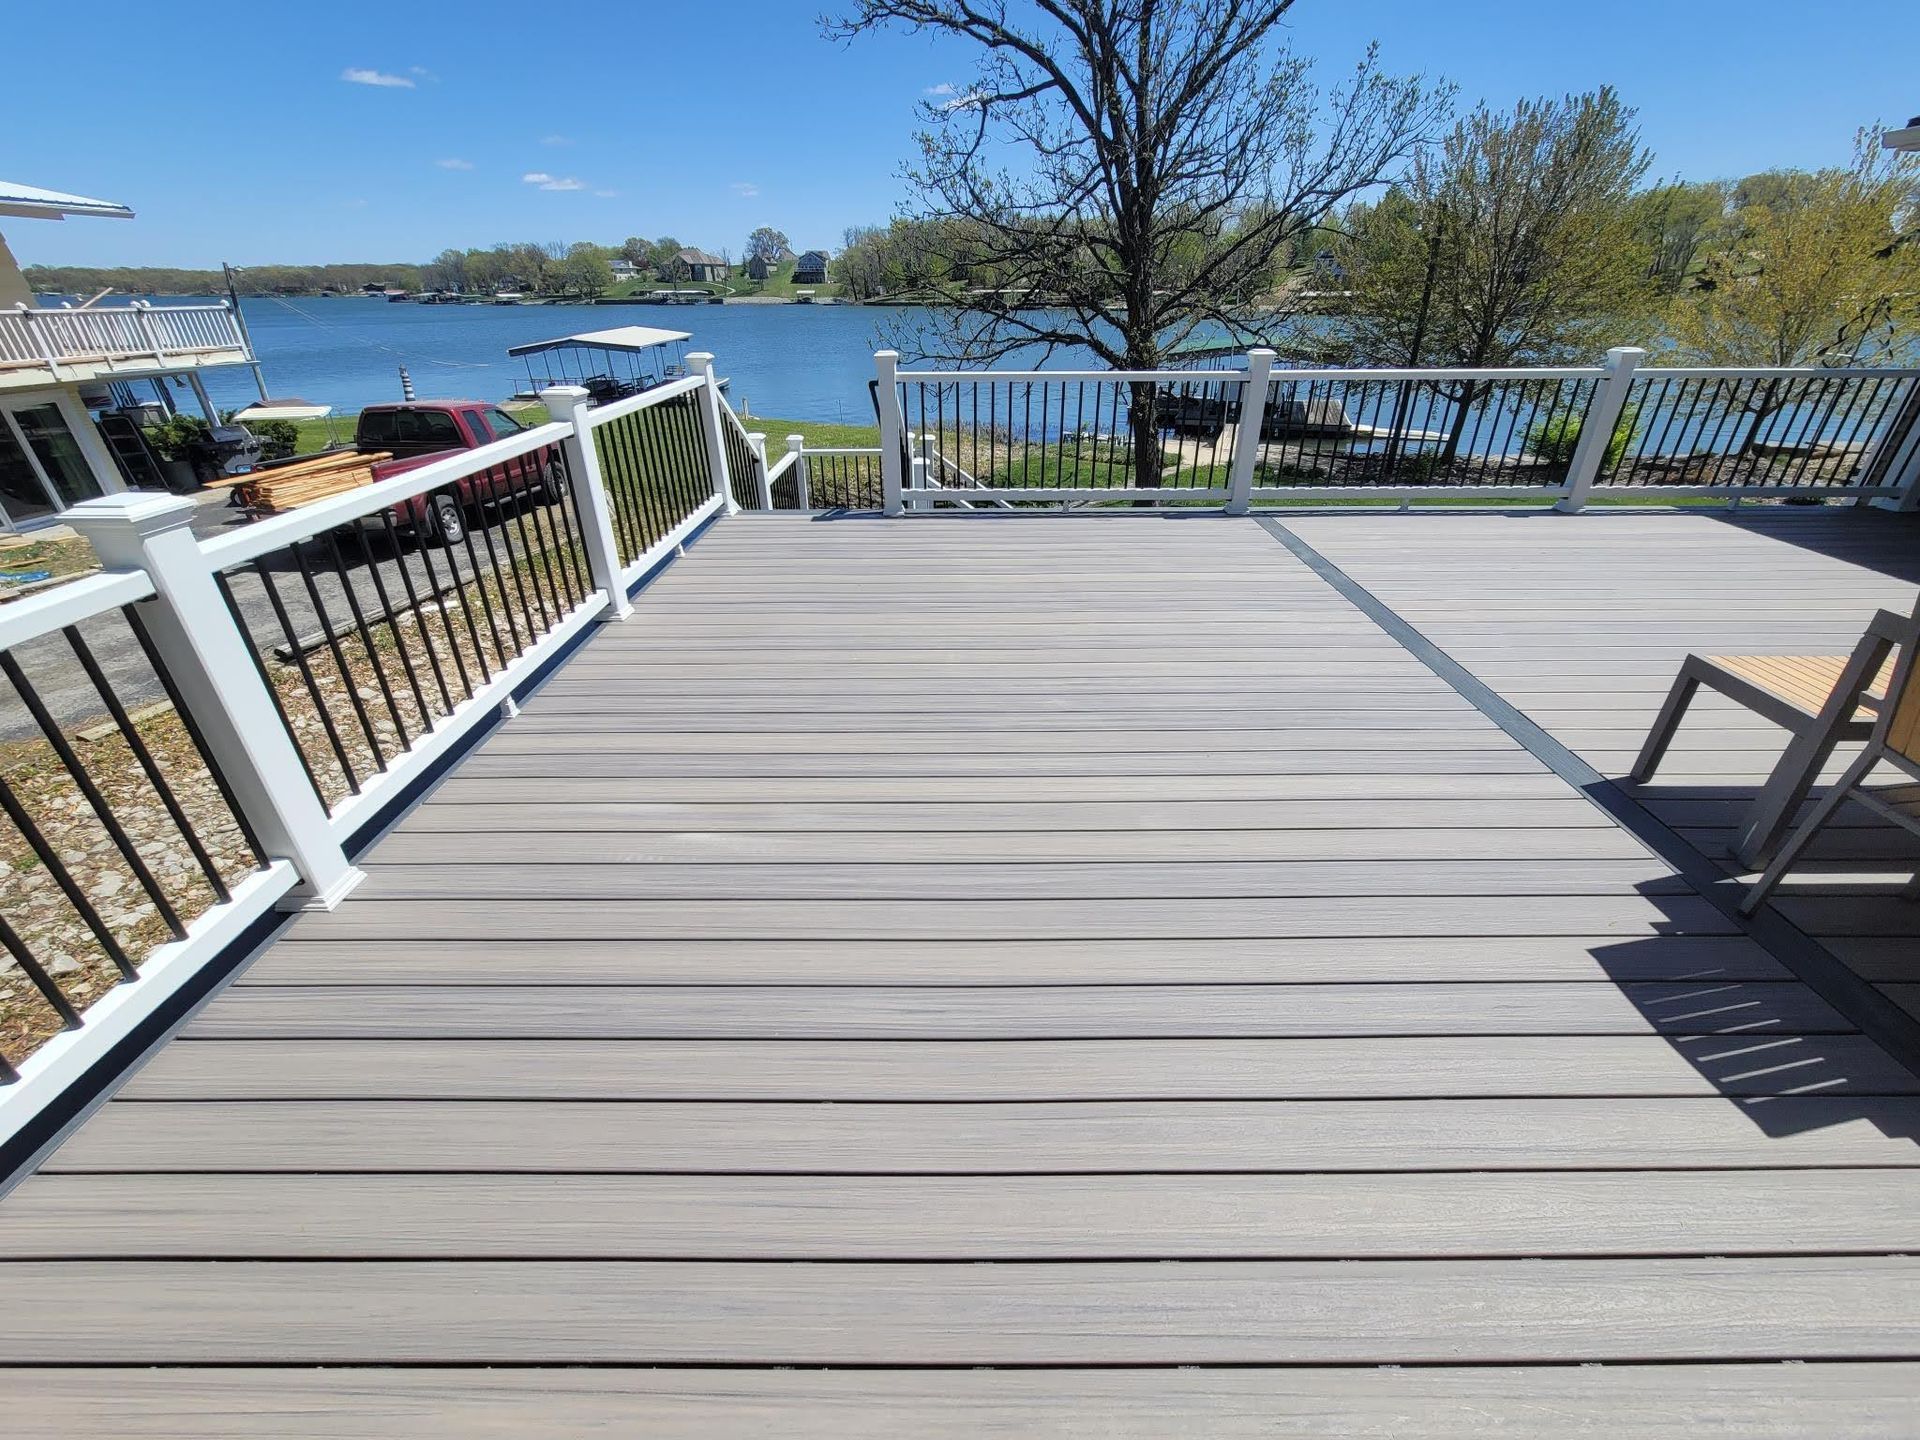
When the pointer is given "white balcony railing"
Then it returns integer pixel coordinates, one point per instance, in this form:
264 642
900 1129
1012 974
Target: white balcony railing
119 336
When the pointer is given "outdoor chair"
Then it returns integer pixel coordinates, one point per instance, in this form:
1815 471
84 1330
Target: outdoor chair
1819 699
1895 742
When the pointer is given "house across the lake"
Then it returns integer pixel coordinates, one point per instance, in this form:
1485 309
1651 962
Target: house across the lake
811 268
765 267
703 266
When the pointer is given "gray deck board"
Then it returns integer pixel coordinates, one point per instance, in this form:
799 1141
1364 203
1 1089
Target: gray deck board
1639 1402
1095 1312
1018 1012
837 965
1392 1137
998 1217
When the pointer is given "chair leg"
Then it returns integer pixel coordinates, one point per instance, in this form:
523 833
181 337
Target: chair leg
1829 805
1685 686
1792 780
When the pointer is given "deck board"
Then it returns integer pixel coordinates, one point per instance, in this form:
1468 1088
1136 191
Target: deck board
837 965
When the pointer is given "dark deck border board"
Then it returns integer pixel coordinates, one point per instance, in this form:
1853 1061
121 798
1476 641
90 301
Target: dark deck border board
1878 1016
26 1151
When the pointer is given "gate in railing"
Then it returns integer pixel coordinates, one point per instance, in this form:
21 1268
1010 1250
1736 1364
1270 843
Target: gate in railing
203 732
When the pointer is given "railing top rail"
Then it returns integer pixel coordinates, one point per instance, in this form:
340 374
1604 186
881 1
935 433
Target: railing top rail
979 377
780 467
32 616
1294 373
1763 372
265 536
672 390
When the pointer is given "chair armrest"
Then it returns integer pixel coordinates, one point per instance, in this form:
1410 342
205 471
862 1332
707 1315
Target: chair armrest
1889 626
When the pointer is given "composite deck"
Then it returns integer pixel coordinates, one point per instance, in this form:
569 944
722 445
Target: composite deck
1042 976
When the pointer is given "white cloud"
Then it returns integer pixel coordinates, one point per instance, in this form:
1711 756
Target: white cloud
941 89
745 189
552 182
422 72
556 140
962 102
606 194
451 164
356 76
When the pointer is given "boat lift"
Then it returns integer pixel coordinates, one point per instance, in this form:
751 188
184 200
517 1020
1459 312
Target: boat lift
609 364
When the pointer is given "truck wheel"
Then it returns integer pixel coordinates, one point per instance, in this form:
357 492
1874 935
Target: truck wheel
449 518
553 483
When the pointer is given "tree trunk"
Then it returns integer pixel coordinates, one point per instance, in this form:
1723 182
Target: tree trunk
1144 422
1760 409
1469 392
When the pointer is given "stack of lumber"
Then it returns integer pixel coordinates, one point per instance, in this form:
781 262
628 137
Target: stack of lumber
288 487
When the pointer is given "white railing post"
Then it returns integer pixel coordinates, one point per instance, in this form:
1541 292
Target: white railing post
143 318
570 403
212 663
757 442
1246 442
797 447
886 365
1596 430
36 331
701 363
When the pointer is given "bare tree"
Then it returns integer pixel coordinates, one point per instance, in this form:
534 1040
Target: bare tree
1135 167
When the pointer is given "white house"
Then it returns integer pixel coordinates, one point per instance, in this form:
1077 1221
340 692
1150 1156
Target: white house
60 365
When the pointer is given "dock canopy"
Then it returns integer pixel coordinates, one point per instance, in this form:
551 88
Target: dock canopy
292 408
632 338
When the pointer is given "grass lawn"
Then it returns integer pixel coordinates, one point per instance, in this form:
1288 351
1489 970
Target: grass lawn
820 435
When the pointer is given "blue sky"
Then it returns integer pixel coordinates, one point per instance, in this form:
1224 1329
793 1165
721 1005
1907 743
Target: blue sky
240 132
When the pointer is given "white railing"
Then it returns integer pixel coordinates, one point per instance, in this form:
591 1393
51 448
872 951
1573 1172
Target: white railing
309 671
1234 438
119 336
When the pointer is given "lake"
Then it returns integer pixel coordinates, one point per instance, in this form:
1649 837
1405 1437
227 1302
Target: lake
800 362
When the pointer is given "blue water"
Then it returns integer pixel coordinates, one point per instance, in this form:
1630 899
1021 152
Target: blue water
801 362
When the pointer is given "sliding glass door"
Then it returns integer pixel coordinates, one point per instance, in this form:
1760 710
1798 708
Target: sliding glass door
42 468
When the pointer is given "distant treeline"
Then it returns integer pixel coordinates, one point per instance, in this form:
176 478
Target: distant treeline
254 280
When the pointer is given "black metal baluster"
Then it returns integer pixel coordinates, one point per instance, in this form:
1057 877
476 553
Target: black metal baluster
23 822
144 758
339 656
299 654
366 631
420 619
49 990
97 801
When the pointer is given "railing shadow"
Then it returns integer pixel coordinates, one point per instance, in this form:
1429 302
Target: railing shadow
1878 540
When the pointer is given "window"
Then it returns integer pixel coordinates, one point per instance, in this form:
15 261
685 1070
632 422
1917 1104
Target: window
503 425
21 492
53 445
422 428
42 468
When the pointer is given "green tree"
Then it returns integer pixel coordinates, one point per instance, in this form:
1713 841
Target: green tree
1810 268
636 251
767 244
1677 223
1137 164
584 270
1514 244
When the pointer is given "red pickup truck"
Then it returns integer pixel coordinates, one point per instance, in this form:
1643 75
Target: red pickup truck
420 431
